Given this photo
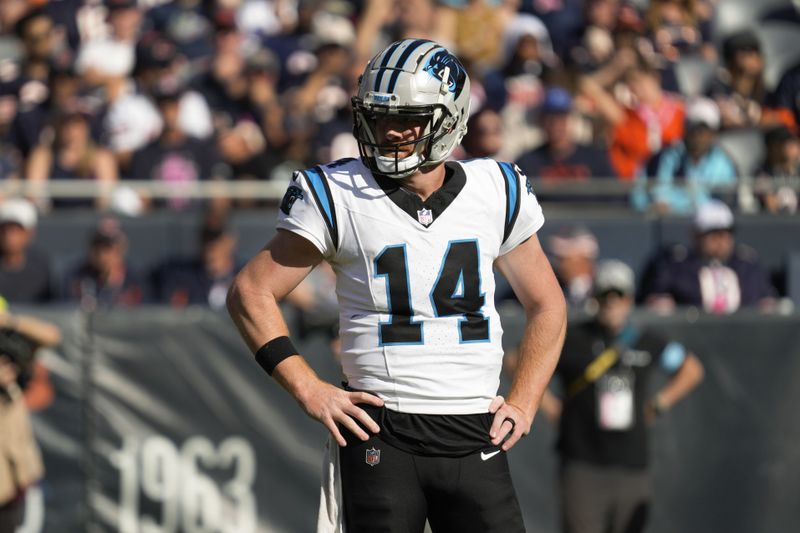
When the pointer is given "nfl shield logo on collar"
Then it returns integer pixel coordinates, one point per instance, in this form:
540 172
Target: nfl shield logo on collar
373 456
425 216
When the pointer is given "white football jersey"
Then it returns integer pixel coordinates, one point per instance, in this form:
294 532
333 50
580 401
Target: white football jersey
414 279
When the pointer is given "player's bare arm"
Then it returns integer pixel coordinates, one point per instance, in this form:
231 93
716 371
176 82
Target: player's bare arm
253 305
528 271
685 380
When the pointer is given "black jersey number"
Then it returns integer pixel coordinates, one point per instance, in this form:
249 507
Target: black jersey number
456 292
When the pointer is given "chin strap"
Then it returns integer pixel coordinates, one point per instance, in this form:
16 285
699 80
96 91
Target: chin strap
397 168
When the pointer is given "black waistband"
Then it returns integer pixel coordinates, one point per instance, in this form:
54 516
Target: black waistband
434 435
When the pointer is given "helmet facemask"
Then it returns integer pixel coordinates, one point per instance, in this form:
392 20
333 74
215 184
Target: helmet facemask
392 159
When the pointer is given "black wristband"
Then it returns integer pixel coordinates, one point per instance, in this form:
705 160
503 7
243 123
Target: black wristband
275 351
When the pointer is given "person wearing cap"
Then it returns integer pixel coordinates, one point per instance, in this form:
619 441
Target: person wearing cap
715 274
25 273
687 172
560 158
104 278
574 251
778 180
605 412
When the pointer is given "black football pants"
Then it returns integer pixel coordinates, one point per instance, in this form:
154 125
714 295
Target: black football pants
389 490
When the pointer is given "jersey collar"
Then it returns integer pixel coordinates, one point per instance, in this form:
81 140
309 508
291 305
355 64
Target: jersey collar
454 181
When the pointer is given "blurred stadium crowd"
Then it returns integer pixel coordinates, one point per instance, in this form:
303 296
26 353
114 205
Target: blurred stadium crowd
656 106
676 96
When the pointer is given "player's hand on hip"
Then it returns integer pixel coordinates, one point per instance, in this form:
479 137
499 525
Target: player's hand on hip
510 424
331 405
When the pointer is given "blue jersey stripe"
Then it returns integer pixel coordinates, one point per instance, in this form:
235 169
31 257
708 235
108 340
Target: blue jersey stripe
512 197
511 180
385 62
401 62
322 194
316 182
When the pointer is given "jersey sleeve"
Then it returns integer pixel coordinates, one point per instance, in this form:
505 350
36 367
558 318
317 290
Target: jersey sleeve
672 357
668 355
523 213
307 210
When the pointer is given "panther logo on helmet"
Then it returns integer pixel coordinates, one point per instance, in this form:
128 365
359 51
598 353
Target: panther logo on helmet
438 64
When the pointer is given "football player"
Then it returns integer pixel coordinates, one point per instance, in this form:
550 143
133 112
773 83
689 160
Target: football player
413 240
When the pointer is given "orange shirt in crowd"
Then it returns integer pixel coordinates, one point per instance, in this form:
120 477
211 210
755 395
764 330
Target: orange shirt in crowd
642 133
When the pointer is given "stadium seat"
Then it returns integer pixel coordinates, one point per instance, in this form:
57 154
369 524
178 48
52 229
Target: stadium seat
10 48
745 147
787 13
694 73
781 51
736 15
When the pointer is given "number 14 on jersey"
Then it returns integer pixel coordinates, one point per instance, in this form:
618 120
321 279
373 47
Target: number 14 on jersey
456 292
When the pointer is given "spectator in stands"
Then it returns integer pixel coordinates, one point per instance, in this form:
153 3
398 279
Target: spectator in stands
654 119
484 137
130 120
740 89
787 95
228 88
25 273
515 88
202 280
175 157
157 59
715 274
104 277
34 124
525 55
560 158
27 81
69 152
184 23
20 459
593 46
606 410
262 71
320 97
115 54
574 251
35 31
778 181
680 27
687 171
